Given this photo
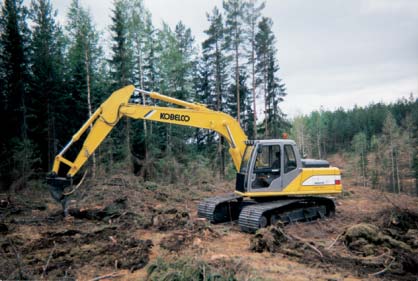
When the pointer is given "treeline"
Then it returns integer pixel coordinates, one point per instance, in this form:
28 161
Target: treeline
382 140
54 75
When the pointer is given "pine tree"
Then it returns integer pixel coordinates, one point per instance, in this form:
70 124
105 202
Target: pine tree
14 88
246 103
214 54
234 17
252 16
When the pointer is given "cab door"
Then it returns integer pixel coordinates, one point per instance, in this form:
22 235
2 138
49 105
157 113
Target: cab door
291 164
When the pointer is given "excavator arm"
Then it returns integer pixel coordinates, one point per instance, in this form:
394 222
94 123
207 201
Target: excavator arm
117 106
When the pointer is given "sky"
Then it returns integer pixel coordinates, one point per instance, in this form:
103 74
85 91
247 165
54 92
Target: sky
332 53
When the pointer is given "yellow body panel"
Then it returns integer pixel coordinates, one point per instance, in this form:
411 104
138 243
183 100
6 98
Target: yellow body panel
295 187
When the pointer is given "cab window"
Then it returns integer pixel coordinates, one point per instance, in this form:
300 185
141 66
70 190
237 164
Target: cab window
268 157
246 158
267 165
289 159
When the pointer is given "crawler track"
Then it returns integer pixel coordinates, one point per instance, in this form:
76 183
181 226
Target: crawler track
220 208
260 215
252 215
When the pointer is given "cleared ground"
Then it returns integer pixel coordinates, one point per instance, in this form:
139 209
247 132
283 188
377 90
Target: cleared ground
132 230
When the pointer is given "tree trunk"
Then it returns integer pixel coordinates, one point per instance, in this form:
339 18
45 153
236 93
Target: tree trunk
398 180
222 152
141 83
253 88
219 108
363 169
237 83
265 97
87 60
392 169
128 144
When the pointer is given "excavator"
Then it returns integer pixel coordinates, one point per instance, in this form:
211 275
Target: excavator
273 183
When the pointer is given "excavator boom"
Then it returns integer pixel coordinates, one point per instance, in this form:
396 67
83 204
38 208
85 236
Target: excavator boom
117 106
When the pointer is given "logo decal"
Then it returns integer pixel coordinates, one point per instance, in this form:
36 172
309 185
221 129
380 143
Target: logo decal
175 117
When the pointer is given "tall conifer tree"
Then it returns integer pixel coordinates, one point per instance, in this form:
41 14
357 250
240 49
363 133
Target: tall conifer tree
272 87
234 10
14 76
214 52
47 100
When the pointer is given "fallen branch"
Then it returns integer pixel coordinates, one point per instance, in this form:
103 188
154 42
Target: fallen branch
294 237
107 276
18 259
335 241
47 262
383 270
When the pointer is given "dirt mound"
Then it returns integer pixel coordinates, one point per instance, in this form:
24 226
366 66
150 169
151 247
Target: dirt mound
193 232
369 240
170 219
396 239
268 239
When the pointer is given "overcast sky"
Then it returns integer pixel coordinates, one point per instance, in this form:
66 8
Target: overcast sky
331 53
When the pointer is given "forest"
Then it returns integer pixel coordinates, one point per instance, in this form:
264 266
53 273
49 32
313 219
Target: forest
54 75
135 214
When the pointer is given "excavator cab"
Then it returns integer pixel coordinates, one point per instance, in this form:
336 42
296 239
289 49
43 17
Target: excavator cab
268 166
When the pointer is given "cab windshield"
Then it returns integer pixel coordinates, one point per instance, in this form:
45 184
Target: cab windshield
246 159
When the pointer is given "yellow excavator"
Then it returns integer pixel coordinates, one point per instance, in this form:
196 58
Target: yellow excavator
273 183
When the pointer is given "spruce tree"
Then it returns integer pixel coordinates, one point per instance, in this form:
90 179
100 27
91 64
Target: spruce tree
121 60
82 64
271 86
121 74
48 102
